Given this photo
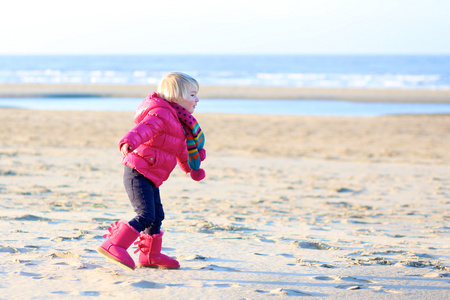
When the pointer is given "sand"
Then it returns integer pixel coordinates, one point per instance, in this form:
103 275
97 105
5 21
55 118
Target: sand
325 207
231 92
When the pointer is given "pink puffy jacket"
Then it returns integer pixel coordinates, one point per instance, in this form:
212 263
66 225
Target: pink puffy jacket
157 141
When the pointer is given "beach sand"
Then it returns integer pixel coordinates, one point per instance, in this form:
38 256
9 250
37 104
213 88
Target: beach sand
326 207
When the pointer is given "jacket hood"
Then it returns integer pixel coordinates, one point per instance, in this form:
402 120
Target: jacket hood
151 102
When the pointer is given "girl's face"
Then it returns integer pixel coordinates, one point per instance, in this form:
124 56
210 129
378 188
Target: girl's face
191 102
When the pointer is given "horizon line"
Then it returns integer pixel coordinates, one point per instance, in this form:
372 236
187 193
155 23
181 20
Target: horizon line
228 54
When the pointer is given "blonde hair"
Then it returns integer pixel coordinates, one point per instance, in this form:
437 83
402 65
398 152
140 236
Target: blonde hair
176 86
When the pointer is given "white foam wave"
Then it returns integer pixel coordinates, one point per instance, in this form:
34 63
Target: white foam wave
429 81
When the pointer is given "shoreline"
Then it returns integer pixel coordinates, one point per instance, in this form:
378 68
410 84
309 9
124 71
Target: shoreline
230 92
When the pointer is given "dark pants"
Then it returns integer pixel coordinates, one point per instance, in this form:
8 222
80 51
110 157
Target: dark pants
145 199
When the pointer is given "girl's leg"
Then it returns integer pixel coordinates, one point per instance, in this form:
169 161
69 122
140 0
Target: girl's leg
140 191
150 243
155 226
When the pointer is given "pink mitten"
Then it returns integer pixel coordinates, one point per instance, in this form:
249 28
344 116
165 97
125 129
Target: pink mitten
198 175
202 153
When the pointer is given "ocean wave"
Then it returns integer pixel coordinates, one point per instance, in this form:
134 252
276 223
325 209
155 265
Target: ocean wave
333 80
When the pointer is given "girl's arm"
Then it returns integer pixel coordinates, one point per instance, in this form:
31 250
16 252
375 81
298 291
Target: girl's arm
182 160
141 133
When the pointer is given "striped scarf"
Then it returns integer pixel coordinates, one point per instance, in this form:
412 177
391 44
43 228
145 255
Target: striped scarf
195 139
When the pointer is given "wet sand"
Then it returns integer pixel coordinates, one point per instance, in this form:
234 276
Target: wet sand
230 92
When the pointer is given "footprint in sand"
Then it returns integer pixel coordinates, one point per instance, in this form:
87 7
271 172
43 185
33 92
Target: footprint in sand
222 285
32 275
286 255
311 263
60 293
263 239
314 245
30 218
65 255
357 283
90 293
350 286
192 257
326 278
144 284
420 263
219 268
87 266
8 173
355 279
11 249
8 249
349 190
284 292
384 290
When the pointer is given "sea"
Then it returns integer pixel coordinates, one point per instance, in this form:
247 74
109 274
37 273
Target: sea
336 71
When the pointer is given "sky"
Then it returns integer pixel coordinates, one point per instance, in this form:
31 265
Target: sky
225 27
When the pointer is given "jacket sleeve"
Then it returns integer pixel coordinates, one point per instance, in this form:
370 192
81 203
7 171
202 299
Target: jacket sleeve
142 132
182 160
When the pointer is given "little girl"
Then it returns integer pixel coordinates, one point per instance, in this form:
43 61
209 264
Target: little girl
166 133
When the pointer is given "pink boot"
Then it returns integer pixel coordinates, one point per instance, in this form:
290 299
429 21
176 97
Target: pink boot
150 253
121 236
